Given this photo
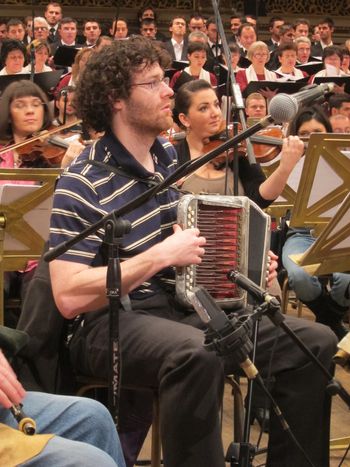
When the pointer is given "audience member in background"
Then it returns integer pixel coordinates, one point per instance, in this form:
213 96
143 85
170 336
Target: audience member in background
325 30
235 23
15 29
68 31
13 55
28 25
148 28
275 24
315 36
102 41
70 79
329 306
235 57
42 54
245 37
91 31
214 41
53 15
287 56
197 56
340 123
177 45
148 12
41 28
345 64
287 35
255 105
258 54
196 23
332 57
339 104
301 27
3 30
303 45
119 30
64 104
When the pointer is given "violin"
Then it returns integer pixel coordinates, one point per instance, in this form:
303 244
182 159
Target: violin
42 150
266 144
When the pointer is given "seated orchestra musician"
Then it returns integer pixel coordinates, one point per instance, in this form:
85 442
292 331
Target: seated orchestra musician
328 305
91 440
26 112
122 92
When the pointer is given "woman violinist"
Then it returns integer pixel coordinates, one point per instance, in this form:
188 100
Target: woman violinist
25 112
197 109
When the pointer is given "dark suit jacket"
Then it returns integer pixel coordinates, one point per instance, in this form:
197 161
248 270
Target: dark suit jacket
271 45
316 50
169 47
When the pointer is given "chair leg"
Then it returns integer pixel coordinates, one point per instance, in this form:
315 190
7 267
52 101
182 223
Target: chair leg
238 408
156 443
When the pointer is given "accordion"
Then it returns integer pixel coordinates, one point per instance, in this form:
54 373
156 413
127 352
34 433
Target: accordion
237 232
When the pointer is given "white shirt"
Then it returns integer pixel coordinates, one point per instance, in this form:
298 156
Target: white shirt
178 48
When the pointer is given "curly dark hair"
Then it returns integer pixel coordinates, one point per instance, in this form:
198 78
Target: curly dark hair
108 76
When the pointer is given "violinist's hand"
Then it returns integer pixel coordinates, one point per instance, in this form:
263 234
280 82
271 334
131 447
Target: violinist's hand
73 151
272 268
183 247
11 390
292 150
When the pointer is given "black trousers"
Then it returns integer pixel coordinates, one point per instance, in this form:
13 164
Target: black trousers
162 347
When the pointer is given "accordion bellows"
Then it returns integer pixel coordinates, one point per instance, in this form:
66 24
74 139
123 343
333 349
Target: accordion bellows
237 233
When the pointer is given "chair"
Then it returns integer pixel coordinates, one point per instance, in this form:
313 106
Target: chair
286 299
88 384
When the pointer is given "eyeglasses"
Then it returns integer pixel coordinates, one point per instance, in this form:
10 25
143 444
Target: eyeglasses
261 54
21 105
40 28
155 84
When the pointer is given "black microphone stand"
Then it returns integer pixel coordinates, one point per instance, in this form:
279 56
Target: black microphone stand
273 311
32 48
230 336
235 89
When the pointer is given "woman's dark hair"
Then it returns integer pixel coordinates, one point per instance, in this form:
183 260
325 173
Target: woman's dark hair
9 45
183 99
305 114
22 88
109 76
196 46
332 50
288 46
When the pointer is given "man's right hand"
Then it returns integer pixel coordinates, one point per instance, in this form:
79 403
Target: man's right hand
11 390
184 246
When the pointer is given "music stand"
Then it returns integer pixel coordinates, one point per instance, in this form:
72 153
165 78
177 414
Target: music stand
331 251
24 218
324 182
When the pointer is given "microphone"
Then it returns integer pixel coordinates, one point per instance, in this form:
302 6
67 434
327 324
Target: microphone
284 107
342 357
224 335
247 284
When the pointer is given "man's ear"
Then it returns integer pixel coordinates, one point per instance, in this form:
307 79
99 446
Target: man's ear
118 104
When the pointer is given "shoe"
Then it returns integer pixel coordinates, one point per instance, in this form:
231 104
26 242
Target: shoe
262 416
